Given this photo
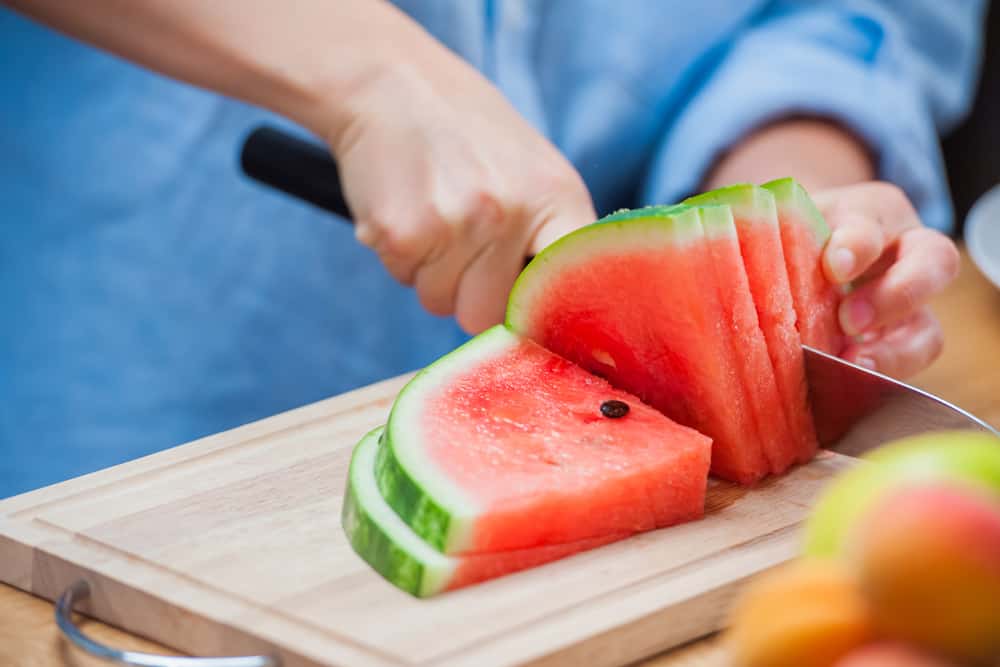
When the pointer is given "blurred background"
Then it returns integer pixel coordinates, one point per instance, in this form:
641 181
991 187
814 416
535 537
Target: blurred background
972 151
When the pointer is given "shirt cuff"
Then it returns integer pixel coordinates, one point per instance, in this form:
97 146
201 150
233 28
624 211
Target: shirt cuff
761 81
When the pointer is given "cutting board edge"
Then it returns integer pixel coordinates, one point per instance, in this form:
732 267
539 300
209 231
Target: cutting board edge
636 637
703 611
115 582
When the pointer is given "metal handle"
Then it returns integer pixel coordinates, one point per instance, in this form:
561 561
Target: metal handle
81 591
300 168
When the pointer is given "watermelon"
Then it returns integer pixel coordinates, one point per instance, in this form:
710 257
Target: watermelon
385 542
504 445
747 337
804 234
756 220
635 299
637 354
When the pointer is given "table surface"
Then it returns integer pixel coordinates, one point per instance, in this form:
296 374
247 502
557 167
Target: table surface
967 374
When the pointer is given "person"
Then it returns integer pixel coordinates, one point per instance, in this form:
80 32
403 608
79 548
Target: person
151 295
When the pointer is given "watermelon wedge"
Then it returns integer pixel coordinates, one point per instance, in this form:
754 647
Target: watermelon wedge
747 338
804 233
756 220
634 299
391 547
503 445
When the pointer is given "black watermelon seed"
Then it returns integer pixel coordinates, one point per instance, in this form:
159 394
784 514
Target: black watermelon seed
614 409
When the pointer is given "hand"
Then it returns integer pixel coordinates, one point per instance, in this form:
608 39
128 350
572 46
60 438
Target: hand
451 187
896 265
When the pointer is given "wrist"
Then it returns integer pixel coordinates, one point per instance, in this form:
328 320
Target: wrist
360 79
818 153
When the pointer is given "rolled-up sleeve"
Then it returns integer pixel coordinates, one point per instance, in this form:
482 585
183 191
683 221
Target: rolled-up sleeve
895 73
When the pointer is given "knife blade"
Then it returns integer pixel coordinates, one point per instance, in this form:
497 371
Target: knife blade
855 409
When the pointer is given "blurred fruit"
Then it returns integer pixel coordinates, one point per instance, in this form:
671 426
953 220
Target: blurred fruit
808 613
928 561
959 456
890 654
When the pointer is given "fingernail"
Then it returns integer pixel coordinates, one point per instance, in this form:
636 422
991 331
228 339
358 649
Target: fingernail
856 315
865 362
842 261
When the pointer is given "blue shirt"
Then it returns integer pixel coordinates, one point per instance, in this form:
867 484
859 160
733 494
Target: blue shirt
150 294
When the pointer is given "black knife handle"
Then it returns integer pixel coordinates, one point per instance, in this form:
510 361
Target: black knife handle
298 167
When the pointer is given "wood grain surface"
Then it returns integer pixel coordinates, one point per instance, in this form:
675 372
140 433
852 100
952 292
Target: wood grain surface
968 374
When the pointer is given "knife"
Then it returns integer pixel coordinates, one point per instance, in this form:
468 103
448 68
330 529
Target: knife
855 409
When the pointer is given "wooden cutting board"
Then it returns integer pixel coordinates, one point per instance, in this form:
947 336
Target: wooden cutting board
232 545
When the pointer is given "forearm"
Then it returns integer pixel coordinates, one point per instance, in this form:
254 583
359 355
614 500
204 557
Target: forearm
818 154
301 59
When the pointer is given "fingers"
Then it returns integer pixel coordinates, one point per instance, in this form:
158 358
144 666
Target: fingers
482 292
569 212
926 261
476 222
402 247
484 286
856 242
866 221
903 350
879 243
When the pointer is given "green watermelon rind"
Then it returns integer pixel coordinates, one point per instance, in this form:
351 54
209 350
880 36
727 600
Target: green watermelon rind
791 195
634 228
747 201
646 212
425 498
380 537
717 221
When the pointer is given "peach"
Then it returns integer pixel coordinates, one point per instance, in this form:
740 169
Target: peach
808 613
889 654
963 457
928 560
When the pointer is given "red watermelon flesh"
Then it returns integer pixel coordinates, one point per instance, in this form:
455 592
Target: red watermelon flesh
633 299
504 445
804 234
755 218
780 442
554 468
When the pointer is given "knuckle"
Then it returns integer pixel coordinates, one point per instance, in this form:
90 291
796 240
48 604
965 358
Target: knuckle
484 206
951 260
944 259
408 236
908 296
400 241
892 196
935 343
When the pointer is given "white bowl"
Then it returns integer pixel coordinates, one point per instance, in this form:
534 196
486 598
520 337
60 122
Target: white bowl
982 234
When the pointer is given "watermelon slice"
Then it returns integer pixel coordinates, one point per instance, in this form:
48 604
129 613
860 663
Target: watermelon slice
756 220
634 299
391 547
747 338
804 233
503 445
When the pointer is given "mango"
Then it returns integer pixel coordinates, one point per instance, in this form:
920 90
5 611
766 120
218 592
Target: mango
889 654
964 457
808 613
928 561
